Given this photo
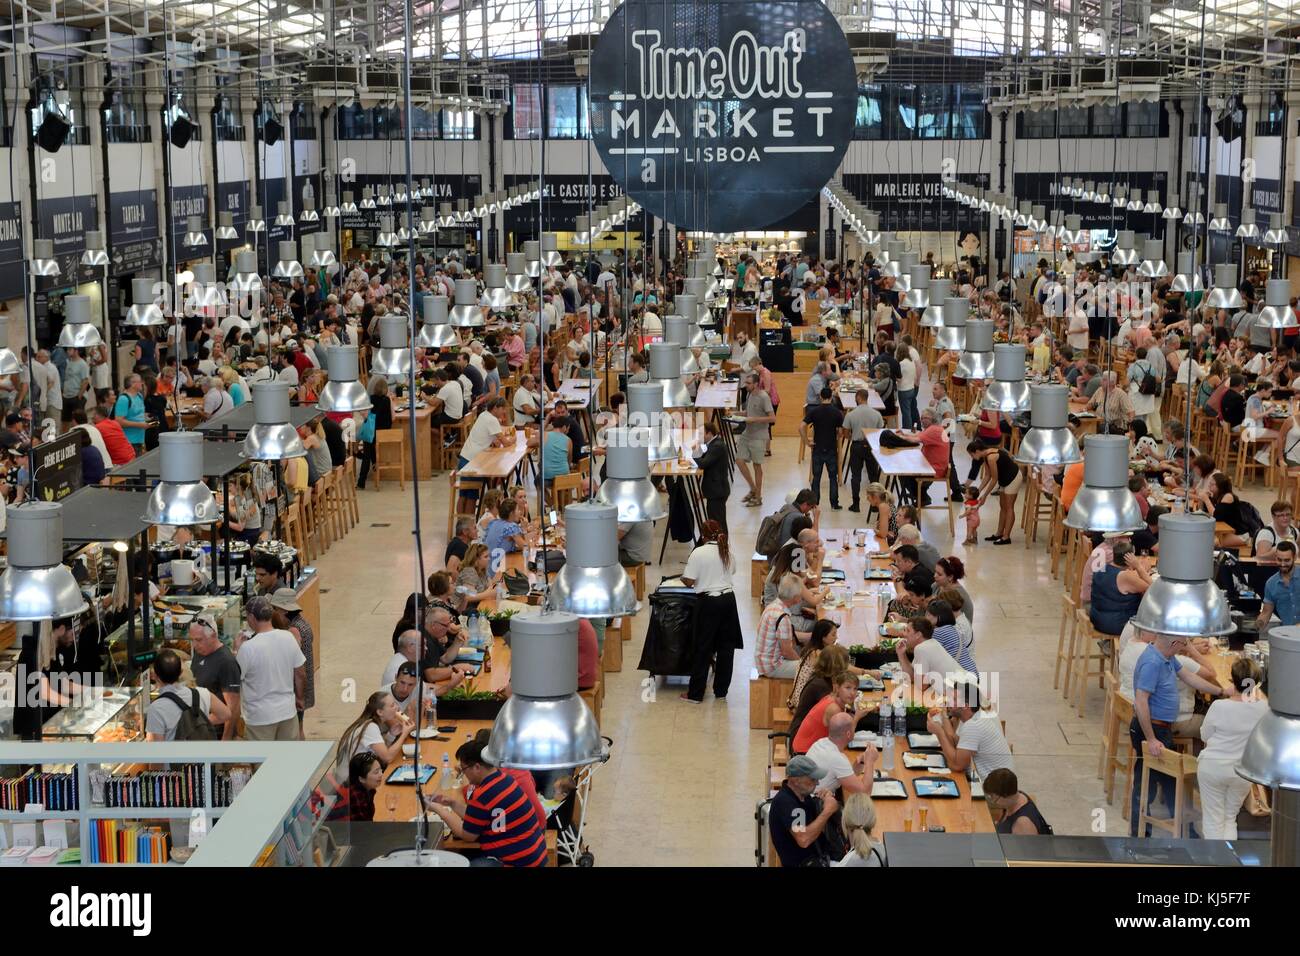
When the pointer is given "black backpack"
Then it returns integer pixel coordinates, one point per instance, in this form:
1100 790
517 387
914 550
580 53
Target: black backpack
1250 517
768 531
194 724
1148 385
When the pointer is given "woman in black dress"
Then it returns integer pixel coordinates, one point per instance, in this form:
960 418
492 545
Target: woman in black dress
1019 814
1001 472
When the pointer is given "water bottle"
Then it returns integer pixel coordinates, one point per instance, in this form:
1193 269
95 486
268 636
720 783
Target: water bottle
886 727
445 781
900 722
501 593
887 752
167 625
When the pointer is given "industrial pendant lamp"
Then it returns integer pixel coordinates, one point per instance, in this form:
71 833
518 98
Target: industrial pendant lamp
1049 441
343 393
37 585
1104 503
1183 600
386 237
550 250
308 214
976 362
1134 201
288 266
686 306
393 359
582 230
466 313
403 230
464 214
1272 754
1125 253
1008 392
592 583
205 293
349 204
246 280
533 258
1037 218
1073 232
77 332
284 217
1248 230
906 263
428 220
181 497
918 295
195 237
1025 213
677 329
952 337
226 226
666 369
1277 234
938 294
144 310
271 438
43 262
399 194
1188 278
627 476
435 329
367 198
645 409
446 216
1119 197
494 287
1225 294
1089 191
893 251
1277 312
322 256
544 724
94 255
517 273
698 291
255 223
1219 222
1152 206
1172 211
383 199
1153 265
9 364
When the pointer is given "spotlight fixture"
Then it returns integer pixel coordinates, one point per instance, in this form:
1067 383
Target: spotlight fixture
195 237
36 584
94 255
181 497
226 227
78 333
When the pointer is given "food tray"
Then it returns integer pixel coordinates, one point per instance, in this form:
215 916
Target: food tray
938 788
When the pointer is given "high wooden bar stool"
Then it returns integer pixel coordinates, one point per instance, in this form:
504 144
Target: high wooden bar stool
1181 769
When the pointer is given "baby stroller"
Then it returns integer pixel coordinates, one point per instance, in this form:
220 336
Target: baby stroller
570 816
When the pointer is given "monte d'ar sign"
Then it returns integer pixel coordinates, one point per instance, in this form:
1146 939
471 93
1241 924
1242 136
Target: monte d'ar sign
726 115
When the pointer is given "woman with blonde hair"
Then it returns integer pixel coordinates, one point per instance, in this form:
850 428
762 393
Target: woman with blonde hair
858 818
831 662
475 577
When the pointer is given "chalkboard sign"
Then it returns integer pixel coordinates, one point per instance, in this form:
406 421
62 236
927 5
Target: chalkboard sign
57 466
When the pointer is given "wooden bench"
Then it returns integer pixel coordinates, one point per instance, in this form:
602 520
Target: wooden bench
758 571
611 654
766 695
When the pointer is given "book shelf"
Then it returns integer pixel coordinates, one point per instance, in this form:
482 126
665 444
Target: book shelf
280 809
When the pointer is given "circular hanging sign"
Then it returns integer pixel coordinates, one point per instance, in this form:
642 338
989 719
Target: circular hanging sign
722 115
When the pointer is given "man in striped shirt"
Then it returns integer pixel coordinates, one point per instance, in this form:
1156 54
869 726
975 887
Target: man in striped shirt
498 816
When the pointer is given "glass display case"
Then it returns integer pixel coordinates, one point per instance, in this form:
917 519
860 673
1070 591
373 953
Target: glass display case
8 690
102 715
225 609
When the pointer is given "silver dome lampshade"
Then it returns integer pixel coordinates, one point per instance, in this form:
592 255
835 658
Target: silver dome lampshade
283 215
1172 212
1049 440
272 438
1153 265
627 476
37 585
952 336
677 329
1008 392
1188 278
1225 294
255 223
43 262
367 198
94 255
494 282
343 393
181 497
1089 193
246 281
1220 222
666 369
551 250
308 214
1119 197
399 194
645 410
698 289
918 296
322 256
1037 217
544 724
1152 206
893 252
699 268
436 331
1248 230
517 273
205 293
906 263
404 230
1277 312
687 306
383 197
1272 754
385 238
464 214
1073 231
870 228
1276 234
938 294
1125 253
446 216
393 359
582 234
1024 213
428 220
976 362
195 237
466 312
144 310
226 231
287 266
1104 503
533 258
1135 203
78 333
9 364
1183 600
592 583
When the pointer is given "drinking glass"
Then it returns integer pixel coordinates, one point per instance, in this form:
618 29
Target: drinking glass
390 801
907 822
968 821
922 816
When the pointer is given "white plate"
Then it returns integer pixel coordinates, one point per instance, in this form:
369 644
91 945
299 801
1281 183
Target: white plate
424 733
408 750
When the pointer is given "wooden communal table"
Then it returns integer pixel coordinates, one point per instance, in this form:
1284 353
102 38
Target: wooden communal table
423 437
1089 422
848 394
578 391
191 409
498 464
898 463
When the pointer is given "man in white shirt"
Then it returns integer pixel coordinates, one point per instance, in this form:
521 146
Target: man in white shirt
476 354
408 649
743 351
489 431
968 735
47 375
527 403
216 400
1277 530
604 277
924 660
273 677
838 771
449 404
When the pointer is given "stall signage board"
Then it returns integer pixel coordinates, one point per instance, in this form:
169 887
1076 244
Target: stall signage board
11 250
57 466
725 119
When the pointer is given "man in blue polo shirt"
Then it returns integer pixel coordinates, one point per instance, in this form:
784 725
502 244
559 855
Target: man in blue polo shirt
128 411
1155 708
1282 591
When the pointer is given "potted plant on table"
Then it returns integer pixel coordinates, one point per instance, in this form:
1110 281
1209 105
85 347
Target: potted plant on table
499 621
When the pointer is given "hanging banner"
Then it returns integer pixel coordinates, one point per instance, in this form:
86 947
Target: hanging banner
56 466
563 200
726 118
65 221
11 251
912 202
133 231
301 194
190 201
447 188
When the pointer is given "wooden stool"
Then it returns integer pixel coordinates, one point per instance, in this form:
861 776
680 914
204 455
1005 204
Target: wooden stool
1182 769
291 529
766 694
637 573
1248 465
566 488
611 653
1073 580
1116 751
349 481
390 456
313 513
306 521
1039 505
1089 649
923 498
758 570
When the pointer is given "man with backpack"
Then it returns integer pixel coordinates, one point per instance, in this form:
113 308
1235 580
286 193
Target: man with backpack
180 712
1279 529
775 529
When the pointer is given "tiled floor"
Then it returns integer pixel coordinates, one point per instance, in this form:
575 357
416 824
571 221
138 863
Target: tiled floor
683 780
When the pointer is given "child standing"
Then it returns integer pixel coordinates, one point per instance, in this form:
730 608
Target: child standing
971 512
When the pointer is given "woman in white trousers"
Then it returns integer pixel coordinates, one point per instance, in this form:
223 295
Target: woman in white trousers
1225 730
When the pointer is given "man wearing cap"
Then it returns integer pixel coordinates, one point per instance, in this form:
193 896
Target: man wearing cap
273 676
797 817
215 670
284 599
